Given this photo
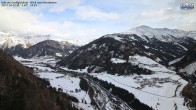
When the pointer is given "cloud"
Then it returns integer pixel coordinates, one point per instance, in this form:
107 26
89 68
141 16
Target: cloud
13 18
92 13
172 17
23 21
161 15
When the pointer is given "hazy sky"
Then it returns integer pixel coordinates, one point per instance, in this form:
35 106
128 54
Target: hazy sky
90 19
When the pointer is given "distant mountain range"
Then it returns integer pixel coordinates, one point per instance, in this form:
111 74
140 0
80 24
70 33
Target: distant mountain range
32 45
11 38
44 48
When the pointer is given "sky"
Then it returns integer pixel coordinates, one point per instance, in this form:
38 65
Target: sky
90 19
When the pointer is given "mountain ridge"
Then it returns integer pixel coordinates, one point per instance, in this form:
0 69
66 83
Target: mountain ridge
10 39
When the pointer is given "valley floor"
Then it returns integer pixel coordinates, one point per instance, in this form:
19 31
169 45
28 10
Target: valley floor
161 91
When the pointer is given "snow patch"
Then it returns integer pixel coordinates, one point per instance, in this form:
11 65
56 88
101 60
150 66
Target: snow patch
58 54
117 60
146 47
175 61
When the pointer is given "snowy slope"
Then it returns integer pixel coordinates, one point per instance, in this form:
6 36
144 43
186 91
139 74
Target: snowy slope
145 62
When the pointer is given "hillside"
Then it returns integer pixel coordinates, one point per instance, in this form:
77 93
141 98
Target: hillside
21 90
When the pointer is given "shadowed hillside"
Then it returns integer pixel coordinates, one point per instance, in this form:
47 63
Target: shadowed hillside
21 90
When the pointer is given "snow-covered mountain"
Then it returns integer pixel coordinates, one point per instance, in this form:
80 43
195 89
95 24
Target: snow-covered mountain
154 44
21 44
10 39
